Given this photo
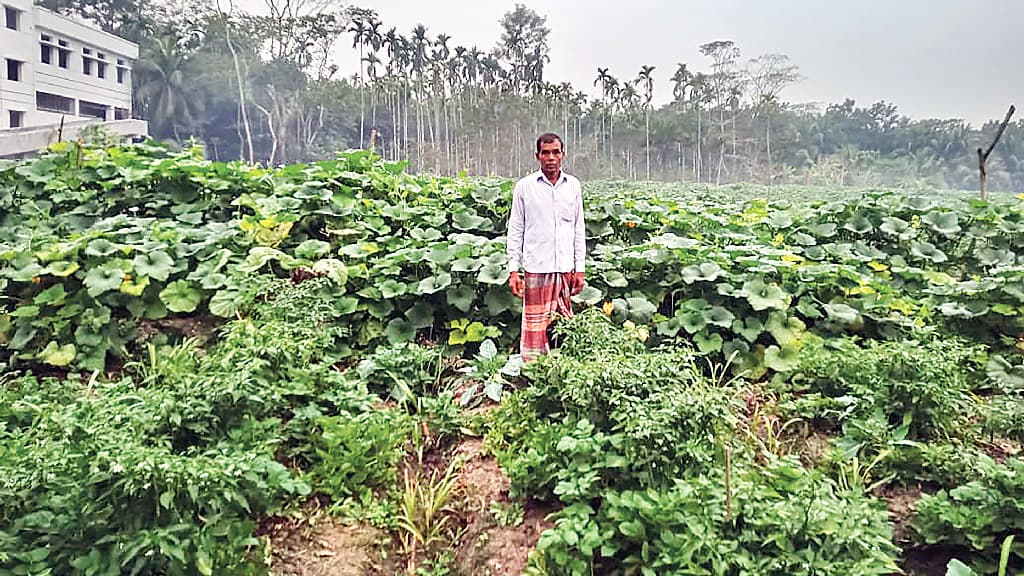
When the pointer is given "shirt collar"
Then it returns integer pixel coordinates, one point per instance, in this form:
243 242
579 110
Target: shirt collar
539 176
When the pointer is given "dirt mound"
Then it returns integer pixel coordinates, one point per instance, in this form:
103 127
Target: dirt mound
497 534
323 546
487 546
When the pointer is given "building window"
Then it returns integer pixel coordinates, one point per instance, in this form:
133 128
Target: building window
101 69
11 16
122 73
92 109
17 118
54 103
13 70
120 114
86 66
62 57
46 53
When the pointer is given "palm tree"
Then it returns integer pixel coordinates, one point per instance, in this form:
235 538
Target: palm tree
699 93
163 89
359 31
373 39
647 81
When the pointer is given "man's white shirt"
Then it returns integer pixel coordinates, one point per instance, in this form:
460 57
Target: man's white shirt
546 230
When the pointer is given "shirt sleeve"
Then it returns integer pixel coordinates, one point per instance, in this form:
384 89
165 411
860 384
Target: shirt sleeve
580 242
516 225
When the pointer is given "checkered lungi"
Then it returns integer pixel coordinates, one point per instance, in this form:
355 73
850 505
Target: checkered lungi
545 297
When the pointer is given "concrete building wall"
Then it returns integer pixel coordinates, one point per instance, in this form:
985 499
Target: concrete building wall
76 53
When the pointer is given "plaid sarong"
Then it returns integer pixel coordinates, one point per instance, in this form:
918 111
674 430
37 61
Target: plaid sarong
545 296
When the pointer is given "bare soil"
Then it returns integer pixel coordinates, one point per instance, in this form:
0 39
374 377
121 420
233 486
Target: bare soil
319 545
486 547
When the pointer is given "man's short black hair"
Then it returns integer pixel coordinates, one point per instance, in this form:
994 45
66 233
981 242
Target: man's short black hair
549 137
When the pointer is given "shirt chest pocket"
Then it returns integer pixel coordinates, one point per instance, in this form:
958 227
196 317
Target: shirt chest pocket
566 210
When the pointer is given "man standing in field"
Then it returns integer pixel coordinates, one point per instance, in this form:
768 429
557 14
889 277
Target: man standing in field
546 238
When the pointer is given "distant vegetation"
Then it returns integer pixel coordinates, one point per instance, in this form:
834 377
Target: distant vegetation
265 88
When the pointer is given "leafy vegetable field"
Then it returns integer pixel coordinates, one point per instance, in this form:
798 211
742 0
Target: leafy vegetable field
758 381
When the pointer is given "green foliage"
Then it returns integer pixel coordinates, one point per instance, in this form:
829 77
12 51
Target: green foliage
978 515
440 414
780 519
488 373
356 455
140 233
169 474
667 413
923 383
404 371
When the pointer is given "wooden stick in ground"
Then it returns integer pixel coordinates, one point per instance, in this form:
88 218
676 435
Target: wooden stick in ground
983 156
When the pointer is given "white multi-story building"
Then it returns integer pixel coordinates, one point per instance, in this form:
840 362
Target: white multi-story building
60 72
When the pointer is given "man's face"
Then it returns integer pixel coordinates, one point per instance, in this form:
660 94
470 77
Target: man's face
550 156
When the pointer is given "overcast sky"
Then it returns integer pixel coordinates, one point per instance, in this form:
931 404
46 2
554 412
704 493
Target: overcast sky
932 58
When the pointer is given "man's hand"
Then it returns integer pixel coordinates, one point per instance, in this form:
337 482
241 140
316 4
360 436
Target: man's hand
576 285
516 284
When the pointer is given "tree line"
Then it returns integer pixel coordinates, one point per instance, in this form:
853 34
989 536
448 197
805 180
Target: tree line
265 88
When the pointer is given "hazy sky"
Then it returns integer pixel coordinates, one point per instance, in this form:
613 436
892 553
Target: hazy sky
932 58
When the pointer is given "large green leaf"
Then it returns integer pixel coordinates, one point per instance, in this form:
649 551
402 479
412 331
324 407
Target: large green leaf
225 303
704 272
785 329
708 343
589 295
467 265
400 330
468 220
260 256
493 274
441 254
425 235
928 251
312 249
958 568
750 327
692 321
640 309
54 295
896 227
672 241
615 279
859 225
156 265
101 247
434 283
670 327
391 288
945 223
61 268
719 316
181 296
103 278
346 305
461 297
333 269
421 315
55 355
498 300
822 230
785 359
842 312
763 296
134 286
